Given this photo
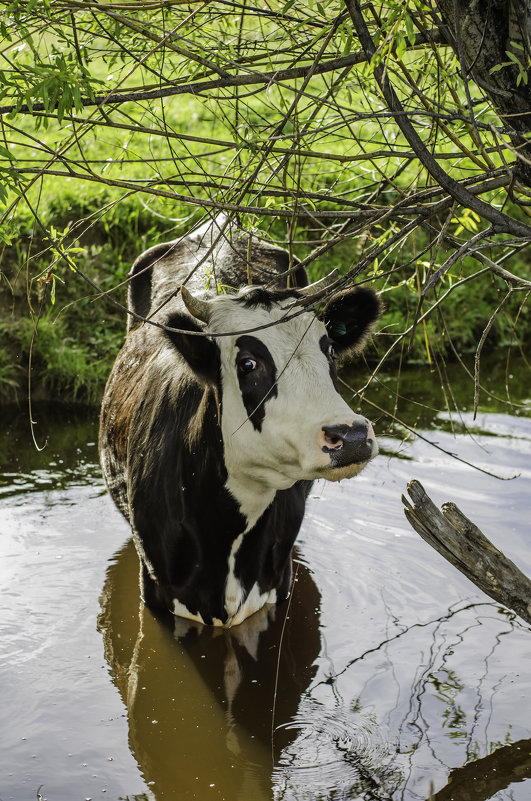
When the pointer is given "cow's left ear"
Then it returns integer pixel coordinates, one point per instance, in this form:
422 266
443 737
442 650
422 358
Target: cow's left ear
200 352
349 318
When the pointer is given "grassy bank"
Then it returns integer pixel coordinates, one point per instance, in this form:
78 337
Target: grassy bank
115 136
51 318
56 321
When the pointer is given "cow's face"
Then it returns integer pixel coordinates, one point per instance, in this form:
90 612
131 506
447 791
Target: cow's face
282 416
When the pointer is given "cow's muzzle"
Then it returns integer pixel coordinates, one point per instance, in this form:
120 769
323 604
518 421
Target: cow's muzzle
348 445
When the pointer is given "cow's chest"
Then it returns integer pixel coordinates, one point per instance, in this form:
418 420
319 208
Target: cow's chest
242 596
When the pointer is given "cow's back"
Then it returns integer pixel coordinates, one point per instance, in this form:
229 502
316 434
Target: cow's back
213 256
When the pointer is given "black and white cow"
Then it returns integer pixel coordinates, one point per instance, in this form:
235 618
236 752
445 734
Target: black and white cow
209 444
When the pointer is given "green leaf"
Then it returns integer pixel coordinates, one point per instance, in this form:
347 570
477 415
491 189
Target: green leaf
77 98
348 45
4 236
4 33
401 46
513 58
61 108
287 6
44 93
410 29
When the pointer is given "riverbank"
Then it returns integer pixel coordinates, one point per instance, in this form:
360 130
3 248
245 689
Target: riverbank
59 335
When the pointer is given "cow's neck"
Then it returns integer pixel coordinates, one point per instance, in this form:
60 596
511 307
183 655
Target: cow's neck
252 496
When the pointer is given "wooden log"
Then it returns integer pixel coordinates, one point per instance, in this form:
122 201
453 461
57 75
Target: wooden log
461 542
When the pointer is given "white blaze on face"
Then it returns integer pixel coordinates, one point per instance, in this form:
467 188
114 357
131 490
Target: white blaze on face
283 441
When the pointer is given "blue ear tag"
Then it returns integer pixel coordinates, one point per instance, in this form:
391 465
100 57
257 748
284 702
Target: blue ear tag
339 328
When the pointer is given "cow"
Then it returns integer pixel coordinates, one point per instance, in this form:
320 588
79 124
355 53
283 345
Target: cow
220 411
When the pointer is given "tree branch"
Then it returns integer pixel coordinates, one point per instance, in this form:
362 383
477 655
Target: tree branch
500 221
199 87
488 775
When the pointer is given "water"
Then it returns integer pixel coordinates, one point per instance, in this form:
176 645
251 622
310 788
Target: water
388 675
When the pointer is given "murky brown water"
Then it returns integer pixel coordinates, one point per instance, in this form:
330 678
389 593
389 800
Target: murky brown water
387 673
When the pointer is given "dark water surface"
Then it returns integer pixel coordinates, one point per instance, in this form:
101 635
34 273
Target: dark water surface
388 674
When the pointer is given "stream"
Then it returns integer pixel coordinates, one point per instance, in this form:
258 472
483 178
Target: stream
387 675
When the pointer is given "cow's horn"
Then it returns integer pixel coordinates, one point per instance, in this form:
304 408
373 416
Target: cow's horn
318 286
197 307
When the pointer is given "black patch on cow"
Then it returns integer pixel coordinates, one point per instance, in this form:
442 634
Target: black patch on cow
265 297
140 278
349 318
184 517
327 347
265 553
257 375
140 291
200 352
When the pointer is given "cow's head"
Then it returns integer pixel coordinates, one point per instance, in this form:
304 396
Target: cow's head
283 418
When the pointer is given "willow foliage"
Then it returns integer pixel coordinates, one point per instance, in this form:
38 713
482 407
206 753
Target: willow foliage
395 132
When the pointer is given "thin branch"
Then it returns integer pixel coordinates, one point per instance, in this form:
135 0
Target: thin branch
477 357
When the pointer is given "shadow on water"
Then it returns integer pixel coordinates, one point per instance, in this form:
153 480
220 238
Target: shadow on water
206 707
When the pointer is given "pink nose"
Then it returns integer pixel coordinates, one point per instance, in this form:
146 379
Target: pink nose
348 444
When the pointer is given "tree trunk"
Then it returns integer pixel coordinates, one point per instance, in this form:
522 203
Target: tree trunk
485 35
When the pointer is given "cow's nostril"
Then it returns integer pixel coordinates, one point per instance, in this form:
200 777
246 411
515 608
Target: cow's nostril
348 444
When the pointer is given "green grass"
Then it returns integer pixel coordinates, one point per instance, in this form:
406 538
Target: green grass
79 334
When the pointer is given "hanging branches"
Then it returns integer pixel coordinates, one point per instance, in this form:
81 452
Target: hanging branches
358 126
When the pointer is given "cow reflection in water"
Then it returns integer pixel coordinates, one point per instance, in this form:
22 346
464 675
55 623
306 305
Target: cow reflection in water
227 713
207 707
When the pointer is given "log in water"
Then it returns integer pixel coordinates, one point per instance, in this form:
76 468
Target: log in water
462 543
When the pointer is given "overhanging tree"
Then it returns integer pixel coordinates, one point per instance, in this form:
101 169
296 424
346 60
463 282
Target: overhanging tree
395 134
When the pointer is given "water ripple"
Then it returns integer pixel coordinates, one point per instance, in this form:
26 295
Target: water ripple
338 753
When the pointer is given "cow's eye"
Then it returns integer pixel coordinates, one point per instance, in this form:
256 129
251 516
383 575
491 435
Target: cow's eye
331 352
247 365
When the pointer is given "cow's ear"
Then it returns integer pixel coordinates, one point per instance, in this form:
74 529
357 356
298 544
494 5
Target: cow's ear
349 318
200 352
